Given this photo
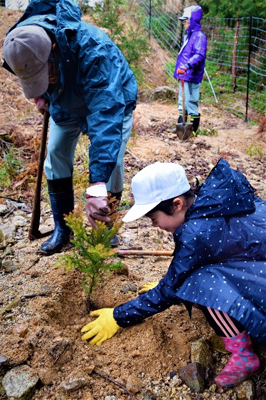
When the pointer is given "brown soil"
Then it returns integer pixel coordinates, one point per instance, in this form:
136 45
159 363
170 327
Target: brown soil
44 331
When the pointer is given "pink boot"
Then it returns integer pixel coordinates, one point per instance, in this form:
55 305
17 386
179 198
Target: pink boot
242 363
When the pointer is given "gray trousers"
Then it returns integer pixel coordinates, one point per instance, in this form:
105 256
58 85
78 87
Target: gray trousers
191 98
61 147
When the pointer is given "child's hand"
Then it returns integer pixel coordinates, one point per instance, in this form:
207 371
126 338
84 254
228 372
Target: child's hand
102 328
147 286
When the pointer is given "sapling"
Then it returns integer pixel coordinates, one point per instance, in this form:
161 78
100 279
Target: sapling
92 253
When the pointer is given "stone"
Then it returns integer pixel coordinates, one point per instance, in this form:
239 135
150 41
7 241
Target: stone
134 384
246 390
176 381
19 383
217 344
73 383
3 360
47 375
193 375
7 234
21 330
200 353
3 209
18 220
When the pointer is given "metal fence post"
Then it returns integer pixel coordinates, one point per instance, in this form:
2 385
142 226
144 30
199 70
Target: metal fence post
150 24
248 72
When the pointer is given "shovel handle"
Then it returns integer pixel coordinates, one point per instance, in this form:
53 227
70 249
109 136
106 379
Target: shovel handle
36 212
183 101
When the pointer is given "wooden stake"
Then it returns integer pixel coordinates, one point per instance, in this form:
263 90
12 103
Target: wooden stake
140 253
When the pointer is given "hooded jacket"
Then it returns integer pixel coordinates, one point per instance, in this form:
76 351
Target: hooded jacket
97 88
219 259
193 51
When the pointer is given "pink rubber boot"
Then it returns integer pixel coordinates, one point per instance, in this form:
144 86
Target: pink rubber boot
241 364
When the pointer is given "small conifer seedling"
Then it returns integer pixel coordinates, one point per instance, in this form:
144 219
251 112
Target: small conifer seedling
92 253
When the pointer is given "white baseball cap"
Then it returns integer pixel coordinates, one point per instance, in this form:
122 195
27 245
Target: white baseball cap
26 50
153 184
187 12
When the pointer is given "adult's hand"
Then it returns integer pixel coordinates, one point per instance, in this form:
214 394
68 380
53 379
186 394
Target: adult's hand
182 69
102 328
41 104
97 209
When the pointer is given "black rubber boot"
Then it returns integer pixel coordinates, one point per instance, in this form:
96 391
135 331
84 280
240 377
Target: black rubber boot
62 203
195 120
118 195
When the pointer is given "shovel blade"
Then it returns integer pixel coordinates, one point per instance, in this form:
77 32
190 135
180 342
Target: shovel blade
184 131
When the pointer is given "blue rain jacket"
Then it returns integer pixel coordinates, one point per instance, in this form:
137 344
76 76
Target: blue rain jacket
193 51
97 88
219 259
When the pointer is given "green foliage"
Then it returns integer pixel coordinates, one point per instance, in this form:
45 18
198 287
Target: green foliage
92 251
170 68
131 40
163 28
233 9
81 172
206 132
10 165
108 17
254 151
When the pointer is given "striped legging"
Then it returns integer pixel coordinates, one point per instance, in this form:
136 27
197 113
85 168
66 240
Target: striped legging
222 324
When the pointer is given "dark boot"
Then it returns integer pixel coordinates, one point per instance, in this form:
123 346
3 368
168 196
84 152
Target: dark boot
195 120
118 195
62 203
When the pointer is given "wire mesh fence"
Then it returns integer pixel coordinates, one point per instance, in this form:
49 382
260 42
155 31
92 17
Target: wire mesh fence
235 74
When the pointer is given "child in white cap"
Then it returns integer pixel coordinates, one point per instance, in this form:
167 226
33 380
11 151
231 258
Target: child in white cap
219 262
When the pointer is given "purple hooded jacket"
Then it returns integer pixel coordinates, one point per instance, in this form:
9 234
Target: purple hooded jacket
193 52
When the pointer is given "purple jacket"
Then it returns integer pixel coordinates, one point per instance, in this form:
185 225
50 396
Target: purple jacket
193 52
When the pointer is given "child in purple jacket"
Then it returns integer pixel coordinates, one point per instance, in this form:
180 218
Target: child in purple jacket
190 64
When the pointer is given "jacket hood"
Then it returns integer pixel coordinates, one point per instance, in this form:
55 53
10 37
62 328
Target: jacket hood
226 192
195 18
54 16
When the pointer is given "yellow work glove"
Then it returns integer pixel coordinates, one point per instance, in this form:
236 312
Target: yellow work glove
147 286
101 328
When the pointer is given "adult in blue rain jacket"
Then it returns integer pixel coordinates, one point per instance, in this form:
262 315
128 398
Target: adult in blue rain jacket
73 69
190 64
219 262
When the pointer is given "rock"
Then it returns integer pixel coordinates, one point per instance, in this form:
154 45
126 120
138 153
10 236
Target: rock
213 388
110 398
47 375
8 266
129 288
193 375
7 234
73 383
134 384
172 374
60 351
3 360
246 390
176 381
20 382
217 344
18 220
3 209
200 353
21 330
